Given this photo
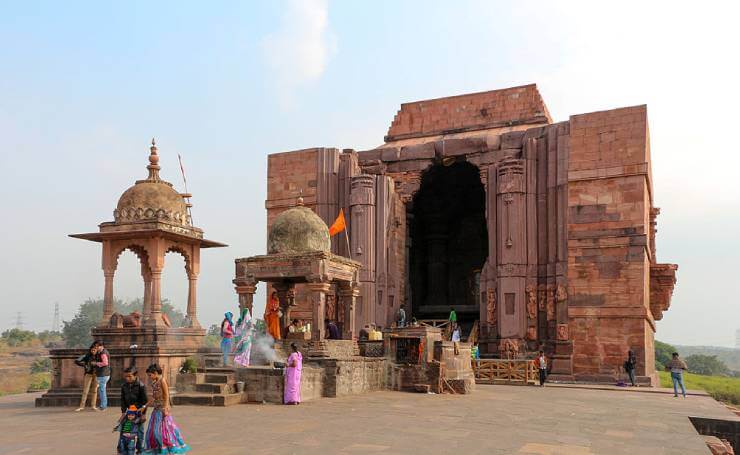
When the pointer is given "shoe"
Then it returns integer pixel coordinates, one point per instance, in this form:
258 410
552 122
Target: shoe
97 409
675 396
79 409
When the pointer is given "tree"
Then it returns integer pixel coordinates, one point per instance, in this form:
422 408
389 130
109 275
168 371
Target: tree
708 365
663 354
18 337
76 333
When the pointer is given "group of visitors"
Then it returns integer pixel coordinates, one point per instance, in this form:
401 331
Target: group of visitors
162 434
241 335
96 362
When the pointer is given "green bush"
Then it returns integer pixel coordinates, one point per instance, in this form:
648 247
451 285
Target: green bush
189 366
39 381
41 365
18 337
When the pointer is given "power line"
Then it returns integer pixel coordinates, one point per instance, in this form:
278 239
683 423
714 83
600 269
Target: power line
19 321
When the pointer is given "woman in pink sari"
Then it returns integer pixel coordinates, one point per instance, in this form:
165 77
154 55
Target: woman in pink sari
293 369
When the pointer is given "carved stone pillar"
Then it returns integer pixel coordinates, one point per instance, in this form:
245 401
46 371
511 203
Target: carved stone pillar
155 316
147 277
108 296
286 293
246 297
317 293
362 237
511 233
192 309
349 293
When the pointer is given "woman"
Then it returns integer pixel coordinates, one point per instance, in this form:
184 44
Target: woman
293 369
272 316
163 434
629 366
244 335
90 382
227 333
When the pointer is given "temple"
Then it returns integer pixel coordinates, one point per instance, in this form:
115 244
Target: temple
539 234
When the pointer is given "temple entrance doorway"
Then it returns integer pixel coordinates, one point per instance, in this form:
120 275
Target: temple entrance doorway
448 241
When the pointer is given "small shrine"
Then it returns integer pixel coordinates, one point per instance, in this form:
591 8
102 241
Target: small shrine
150 220
299 251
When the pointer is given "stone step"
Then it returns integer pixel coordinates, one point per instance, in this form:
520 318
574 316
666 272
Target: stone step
206 399
219 378
213 388
217 370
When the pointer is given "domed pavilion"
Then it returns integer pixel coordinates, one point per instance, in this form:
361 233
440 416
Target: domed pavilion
151 220
299 251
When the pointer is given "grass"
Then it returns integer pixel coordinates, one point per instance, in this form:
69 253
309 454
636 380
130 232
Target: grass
719 387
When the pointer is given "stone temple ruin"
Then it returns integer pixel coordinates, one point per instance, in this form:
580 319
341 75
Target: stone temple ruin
539 234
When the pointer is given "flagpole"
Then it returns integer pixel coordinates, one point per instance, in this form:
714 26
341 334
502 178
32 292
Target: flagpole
185 181
346 236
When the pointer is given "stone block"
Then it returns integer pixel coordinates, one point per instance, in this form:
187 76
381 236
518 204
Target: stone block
418 151
458 147
390 154
512 140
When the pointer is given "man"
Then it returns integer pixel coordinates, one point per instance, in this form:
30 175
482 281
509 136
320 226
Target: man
543 368
102 373
333 331
456 338
133 392
677 366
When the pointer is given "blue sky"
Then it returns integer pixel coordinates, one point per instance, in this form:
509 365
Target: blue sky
85 85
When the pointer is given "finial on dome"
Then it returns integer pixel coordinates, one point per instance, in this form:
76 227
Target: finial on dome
153 163
300 198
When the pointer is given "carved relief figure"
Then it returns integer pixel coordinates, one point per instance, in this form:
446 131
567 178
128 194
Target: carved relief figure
509 348
532 333
561 294
550 304
531 302
543 299
132 320
563 332
491 306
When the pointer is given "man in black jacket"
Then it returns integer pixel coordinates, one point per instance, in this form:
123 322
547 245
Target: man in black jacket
133 392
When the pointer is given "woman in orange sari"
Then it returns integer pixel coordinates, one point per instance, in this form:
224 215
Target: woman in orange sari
272 316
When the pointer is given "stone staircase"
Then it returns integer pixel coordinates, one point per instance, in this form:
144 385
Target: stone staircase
213 387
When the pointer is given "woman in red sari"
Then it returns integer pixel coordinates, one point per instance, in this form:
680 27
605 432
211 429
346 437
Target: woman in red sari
272 316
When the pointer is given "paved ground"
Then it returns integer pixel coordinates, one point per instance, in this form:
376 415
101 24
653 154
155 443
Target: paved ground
494 420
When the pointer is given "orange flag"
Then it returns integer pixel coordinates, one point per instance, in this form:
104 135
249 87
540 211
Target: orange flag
339 224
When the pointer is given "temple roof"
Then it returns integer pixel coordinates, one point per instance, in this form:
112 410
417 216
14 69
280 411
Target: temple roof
470 112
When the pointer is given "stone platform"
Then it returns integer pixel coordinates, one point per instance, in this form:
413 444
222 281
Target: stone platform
494 420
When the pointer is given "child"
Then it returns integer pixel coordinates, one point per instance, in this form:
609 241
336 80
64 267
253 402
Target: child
543 368
162 434
133 393
128 426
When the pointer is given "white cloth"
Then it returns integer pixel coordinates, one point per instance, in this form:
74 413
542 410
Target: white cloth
456 335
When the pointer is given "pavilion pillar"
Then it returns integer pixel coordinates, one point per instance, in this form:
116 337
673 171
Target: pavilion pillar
317 293
246 297
349 293
192 308
285 292
147 277
108 296
155 315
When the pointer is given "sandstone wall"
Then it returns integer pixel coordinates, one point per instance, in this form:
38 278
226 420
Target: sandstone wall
609 202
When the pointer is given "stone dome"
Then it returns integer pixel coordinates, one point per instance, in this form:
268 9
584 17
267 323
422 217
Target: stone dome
152 199
298 230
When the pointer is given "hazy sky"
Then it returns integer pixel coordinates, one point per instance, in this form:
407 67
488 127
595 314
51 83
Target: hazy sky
84 87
